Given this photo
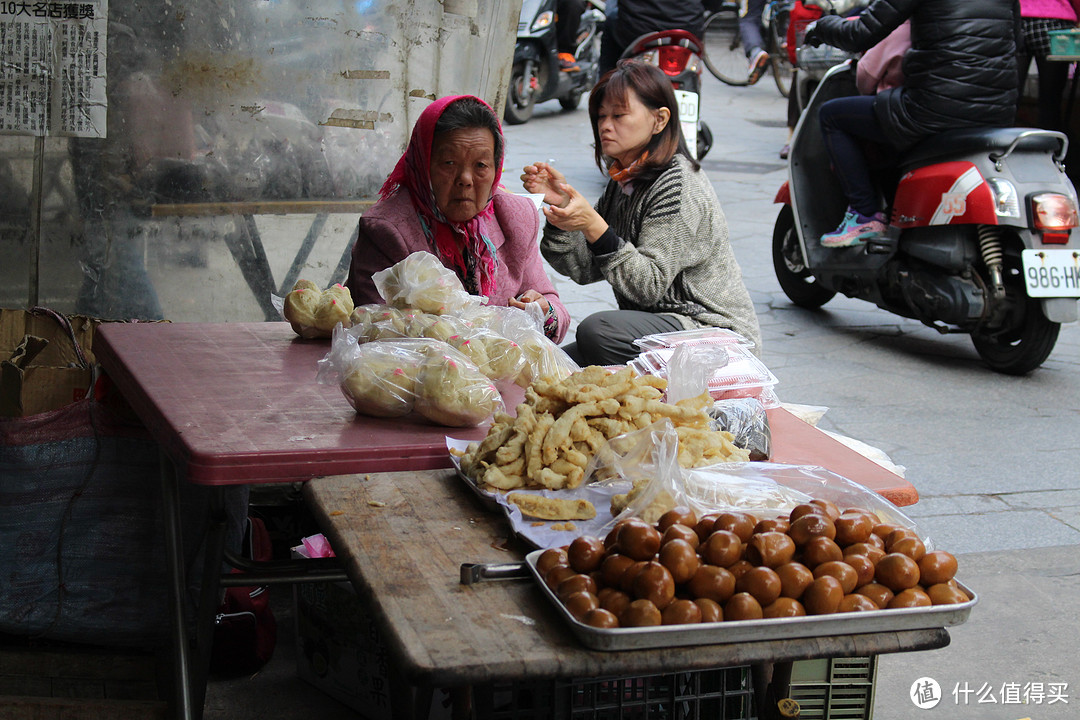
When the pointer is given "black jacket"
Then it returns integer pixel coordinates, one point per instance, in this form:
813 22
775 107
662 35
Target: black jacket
961 69
638 17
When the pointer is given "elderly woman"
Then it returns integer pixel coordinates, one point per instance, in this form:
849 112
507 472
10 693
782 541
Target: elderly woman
657 234
444 197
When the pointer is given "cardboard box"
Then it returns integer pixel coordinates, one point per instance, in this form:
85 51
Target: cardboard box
340 651
40 368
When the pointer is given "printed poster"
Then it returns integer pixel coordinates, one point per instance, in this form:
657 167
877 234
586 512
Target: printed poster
53 60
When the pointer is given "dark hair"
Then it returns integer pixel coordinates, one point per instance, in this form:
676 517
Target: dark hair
471 112
653 88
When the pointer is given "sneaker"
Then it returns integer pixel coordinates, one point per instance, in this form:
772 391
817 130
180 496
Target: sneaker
567 63
759 62
855 229
785 151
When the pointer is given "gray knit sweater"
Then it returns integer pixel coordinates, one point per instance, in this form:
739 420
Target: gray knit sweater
674 256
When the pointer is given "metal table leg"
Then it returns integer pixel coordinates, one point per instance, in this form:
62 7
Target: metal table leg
174 550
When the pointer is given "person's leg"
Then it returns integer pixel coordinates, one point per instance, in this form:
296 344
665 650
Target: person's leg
845 122
607 338
610 50
567 23
753 43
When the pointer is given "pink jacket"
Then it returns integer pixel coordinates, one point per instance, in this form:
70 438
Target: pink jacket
390 231
880 67
1057 9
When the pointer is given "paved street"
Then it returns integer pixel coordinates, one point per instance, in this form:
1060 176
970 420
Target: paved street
994 458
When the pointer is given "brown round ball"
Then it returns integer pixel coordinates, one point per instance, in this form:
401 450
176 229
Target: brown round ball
722 548
870 550
639 541
742 606
804 509
912 597
913 547
794 579
770 549
640 613
877 592
680 532
711 611
823 596
579 603
626 581
853 528
680 558
601 618
828 507
945 594
551 558
681 612
876 541
809 526
937 566
611 540
740 523
712 582
613 567
704 526
849 579
897 534
614 600
740 568
856 603
680 514
574 584
772 525
882 529
820 549
784 607
557 574
586 553
897 572
761 582
864 568
654 583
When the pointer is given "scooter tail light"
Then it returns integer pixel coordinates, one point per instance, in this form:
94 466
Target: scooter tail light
1054 213
1006 200
673 59
543 20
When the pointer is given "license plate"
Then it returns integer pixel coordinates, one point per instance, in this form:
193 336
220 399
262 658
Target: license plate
688 106
1052 273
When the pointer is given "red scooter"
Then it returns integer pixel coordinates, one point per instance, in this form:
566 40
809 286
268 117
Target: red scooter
982 236
678 53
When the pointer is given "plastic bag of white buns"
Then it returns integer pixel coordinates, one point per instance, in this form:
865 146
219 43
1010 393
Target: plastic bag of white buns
422 282
392 378
543 359
313 313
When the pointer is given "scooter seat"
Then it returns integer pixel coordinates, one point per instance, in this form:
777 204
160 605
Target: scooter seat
950 145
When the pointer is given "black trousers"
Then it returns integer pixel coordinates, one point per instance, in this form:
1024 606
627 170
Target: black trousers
607 338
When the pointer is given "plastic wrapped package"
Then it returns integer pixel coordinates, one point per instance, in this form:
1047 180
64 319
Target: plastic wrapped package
392 378
690 368
544 360
422 282
313 313
697 336
747 421
743 375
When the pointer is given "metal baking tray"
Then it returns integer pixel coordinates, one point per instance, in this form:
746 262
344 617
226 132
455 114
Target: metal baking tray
663 636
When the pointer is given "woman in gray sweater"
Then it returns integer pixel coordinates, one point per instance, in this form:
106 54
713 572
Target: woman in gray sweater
657 234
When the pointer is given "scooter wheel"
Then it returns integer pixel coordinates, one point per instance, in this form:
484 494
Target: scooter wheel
1025 347
790 266
520 99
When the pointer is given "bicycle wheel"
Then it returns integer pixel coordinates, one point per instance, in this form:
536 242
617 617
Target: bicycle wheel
724 54
782 71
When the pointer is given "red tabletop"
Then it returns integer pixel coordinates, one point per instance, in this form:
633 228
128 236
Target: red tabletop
238 403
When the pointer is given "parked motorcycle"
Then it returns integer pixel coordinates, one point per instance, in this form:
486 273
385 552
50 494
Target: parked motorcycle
678 53
535 76
981 238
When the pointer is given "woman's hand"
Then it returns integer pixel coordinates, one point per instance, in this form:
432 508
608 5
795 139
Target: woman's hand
530 296
541 178
576 214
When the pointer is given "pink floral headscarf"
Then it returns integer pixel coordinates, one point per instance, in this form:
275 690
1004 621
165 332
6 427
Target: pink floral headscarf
461 246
